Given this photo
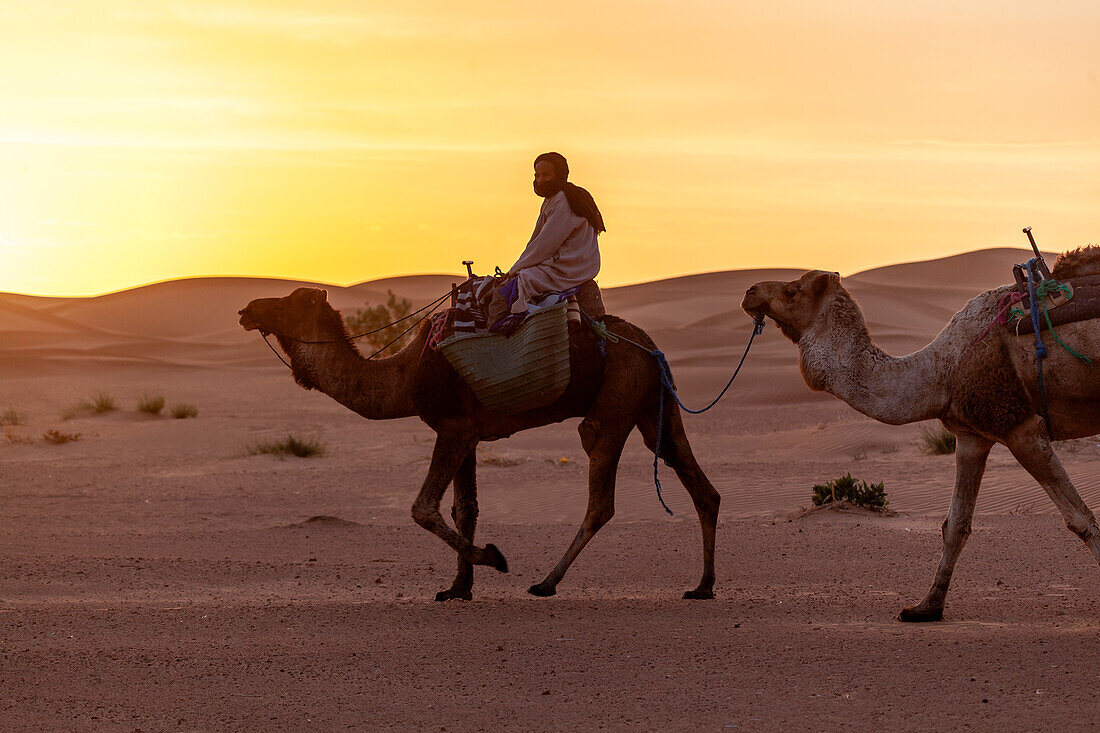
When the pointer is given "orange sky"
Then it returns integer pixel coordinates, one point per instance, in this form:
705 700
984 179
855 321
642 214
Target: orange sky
341 141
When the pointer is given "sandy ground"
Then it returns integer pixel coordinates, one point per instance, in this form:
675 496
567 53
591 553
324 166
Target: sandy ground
155 575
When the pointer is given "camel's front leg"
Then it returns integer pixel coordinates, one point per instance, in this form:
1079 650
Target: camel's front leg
449 453
970 455
464 514
1030 446
604 447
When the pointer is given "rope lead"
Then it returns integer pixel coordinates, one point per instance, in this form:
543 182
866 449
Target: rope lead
668 386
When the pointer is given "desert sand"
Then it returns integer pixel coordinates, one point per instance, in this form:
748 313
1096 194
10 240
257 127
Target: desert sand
155 575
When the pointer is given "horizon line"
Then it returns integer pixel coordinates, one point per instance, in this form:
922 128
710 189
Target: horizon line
353 284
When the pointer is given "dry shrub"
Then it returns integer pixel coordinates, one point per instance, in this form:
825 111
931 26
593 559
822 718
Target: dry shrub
55 437
103 402
150 404
183 411
376 318
11 417
99 403
937 440
291 445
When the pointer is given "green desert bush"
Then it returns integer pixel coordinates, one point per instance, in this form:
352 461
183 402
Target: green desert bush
11 417
150 404
846 488
291 445
182 411
937 440
370 317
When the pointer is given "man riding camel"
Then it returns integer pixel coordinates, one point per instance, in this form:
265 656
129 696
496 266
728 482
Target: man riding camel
562 253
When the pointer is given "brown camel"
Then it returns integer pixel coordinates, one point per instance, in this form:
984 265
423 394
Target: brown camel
984 391
614 394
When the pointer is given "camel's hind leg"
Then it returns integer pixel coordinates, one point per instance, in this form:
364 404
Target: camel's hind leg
676 451
970 455
464 514
604 445
1030 446
449 453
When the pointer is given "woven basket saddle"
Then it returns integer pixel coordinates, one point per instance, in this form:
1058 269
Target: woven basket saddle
530 367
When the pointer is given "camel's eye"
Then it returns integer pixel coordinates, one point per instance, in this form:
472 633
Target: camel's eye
790 290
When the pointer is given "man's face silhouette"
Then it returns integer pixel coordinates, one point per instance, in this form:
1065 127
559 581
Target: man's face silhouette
545 178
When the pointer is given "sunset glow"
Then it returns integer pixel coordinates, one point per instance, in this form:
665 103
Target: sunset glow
341 141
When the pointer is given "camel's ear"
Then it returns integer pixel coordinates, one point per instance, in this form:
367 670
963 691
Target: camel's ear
820 282
324 296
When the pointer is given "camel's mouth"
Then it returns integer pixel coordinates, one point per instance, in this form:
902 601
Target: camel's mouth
248 323
754 305
756 313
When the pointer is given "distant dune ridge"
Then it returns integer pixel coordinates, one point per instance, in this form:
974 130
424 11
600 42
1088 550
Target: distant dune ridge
693 318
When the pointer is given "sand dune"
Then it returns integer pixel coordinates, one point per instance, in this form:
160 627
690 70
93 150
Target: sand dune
184 334
158 573
701 310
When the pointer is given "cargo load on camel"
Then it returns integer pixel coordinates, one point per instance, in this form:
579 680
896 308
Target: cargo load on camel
515 362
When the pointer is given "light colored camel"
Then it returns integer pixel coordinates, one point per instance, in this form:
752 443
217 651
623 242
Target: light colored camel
614 394
984 391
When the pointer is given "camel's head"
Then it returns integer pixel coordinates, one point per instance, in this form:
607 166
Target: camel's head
304 315
794 306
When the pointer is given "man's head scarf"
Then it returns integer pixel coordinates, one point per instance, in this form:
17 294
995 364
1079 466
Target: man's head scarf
580 201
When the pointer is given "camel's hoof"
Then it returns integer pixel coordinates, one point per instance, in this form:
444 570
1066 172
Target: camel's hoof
699 594
542 590
915 615
452 594
493 557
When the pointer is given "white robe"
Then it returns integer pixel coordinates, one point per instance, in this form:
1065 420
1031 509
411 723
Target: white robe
562 253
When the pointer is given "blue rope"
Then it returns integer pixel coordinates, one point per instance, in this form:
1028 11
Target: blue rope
1040 347
666 371
603 334
670 388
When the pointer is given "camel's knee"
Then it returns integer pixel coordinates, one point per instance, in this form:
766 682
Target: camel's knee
590 432
711 507
959 530
426 516
710 499
599 516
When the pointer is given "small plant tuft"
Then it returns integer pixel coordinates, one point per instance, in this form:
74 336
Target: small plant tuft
11 417
103 402
150 404
183 411
56 437
291 445
846 488
75 409
937 440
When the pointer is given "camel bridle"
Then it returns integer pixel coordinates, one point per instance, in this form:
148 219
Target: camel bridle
434 305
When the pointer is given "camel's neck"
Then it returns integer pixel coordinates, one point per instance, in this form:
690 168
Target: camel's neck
377 389
838 356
